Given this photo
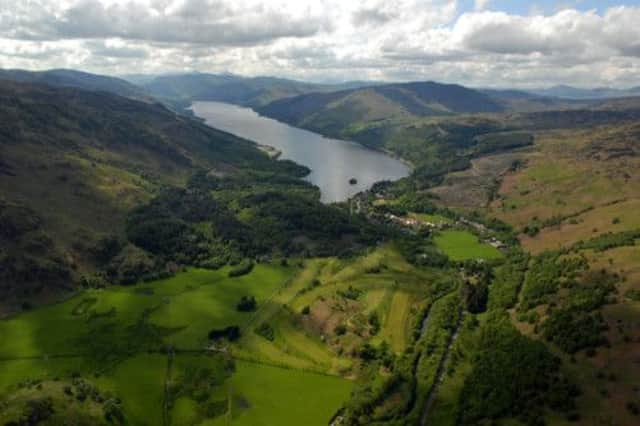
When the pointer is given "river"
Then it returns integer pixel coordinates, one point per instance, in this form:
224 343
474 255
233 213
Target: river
333 162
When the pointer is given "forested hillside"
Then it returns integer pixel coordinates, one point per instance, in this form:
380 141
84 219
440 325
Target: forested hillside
75 165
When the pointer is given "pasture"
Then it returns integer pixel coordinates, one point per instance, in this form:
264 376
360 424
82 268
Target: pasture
148 344
263 396
463 245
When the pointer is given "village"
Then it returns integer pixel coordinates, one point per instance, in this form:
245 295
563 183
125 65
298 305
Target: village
369 204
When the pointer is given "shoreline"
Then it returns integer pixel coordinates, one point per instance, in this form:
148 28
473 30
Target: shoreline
395 156
275 153
385 151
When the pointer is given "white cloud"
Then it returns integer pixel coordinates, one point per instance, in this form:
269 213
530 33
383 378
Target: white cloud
325 39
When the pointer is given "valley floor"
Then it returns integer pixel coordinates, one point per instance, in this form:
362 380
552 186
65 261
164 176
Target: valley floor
146 347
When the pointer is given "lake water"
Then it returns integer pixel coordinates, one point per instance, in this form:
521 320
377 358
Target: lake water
332 162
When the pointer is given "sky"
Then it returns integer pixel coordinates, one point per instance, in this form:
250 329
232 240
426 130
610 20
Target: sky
480 43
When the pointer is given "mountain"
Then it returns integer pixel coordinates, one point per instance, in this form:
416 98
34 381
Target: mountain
333 113
78 80
73 163
569 92
522 101
247 91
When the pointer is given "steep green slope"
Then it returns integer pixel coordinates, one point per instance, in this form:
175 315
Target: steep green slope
333 113
74 163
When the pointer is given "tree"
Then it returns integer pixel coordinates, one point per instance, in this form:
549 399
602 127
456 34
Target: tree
247 304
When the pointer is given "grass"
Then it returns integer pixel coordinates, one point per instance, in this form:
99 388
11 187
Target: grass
197 311
18 371
189 305
265 396
463 245
567 174
117 338
121 324
616 217
396 324
139 382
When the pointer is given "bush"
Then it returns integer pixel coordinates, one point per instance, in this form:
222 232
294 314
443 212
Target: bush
374 322
306 310
368 352
350 293
633 294
243 268
340 330
266 331
231 333
247 304
113 412
531 230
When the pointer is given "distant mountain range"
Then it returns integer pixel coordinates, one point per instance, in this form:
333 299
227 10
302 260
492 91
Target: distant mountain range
569 92
78 80
231 88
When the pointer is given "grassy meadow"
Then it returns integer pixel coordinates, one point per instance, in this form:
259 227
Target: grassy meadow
263 395
147 344
463 245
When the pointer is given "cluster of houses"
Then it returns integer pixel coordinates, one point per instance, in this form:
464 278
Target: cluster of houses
415 224
412 222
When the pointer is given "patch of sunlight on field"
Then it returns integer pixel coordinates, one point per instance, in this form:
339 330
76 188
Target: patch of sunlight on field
463 245
195 312
267 396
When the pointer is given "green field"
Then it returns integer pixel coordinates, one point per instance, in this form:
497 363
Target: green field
463 245
265 396
122 340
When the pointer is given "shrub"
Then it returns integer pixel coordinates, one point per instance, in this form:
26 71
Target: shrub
266 331
231 333
247 304
374 322
368 352
633 294
243 268
350 293
340 329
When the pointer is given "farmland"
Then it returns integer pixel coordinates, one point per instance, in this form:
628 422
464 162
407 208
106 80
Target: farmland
462 245
149 346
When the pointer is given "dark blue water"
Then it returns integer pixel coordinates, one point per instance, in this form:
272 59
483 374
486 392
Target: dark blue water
332 162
